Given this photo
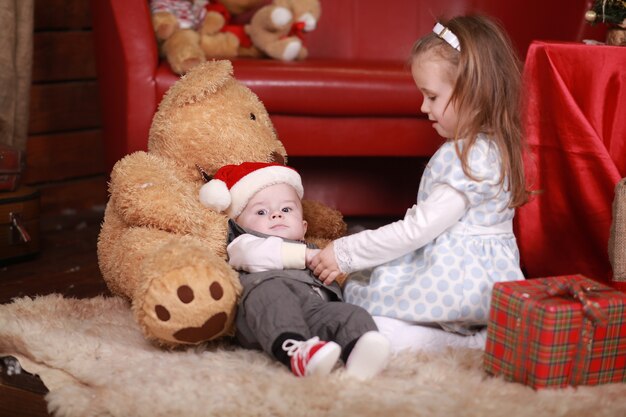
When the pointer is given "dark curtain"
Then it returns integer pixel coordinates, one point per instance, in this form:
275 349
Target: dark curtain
16 50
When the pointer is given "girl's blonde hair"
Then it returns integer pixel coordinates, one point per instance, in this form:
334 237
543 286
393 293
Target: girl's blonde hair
486 74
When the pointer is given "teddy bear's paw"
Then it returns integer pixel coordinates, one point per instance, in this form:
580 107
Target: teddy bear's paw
221 45
183 51
164 31
286 49
189 63
281 16
164 24
213 23
190 305
304 53
310 23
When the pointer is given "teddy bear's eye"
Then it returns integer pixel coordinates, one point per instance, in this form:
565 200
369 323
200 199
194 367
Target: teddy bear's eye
203 174
252 116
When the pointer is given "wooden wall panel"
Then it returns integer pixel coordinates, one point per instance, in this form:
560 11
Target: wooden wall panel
76 195
64 156
62 14
66 55
81 156
64 106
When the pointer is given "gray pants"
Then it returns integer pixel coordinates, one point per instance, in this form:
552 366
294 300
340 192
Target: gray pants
282 305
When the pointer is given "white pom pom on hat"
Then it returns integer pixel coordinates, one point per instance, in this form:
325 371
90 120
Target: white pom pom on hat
233 186
215 194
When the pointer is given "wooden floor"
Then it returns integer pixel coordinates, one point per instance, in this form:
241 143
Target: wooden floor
67 261
67 264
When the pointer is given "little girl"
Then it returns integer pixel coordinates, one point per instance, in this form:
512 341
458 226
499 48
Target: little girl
437 266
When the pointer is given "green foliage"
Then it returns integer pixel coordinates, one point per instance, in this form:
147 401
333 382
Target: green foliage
609 11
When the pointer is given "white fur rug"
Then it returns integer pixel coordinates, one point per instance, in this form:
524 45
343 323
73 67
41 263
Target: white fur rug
94 360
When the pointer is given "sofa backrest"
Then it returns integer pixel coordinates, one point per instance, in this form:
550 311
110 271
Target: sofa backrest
375 29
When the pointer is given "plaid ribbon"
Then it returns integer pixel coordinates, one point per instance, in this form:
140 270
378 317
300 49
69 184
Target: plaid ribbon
577 291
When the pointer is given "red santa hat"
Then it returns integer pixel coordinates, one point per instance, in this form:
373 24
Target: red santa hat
233 186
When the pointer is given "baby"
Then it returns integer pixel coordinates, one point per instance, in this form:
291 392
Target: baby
284 309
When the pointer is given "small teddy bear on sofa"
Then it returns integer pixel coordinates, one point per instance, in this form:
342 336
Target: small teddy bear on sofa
190 31
278 29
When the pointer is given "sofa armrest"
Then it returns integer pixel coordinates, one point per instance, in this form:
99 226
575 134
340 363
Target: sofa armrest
127 59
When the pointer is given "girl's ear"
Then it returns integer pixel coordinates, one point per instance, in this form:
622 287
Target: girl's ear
304 226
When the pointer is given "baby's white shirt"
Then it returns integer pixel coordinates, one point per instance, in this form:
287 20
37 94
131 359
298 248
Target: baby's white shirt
256 254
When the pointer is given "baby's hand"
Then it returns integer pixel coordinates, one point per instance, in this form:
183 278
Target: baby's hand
309 255
324 265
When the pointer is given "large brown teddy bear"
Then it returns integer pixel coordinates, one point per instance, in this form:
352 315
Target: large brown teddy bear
158 246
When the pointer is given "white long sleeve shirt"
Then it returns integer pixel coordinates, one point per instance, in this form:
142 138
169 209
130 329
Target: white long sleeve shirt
256 254
422 223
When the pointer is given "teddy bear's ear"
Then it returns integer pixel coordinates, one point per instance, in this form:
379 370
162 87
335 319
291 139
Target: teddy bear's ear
200 82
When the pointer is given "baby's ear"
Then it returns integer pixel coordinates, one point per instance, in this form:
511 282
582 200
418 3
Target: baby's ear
304 226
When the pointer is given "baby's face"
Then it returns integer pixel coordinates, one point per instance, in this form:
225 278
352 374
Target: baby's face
275 210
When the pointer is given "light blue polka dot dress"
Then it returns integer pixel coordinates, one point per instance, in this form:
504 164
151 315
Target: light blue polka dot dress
449 280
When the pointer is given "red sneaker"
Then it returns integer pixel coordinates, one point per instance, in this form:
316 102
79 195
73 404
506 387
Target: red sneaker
312 357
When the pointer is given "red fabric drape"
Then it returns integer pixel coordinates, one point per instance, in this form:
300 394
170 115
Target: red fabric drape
575 120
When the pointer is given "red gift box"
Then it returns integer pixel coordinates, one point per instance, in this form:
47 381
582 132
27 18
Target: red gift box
555 332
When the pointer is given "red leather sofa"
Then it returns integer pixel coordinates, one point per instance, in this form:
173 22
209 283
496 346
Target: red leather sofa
348 115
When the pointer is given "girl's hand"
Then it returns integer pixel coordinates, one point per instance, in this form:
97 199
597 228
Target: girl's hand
309 255
324 265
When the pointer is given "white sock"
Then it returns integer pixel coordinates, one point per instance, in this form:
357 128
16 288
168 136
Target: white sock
405 335
369 356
